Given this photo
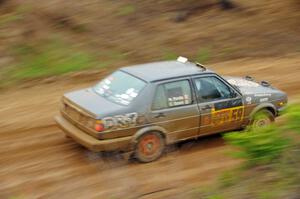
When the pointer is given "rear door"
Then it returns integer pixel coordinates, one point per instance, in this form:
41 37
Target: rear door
220 105
175 109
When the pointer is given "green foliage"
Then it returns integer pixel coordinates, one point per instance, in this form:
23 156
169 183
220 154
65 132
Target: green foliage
203 55
259 146
16 197
229 178
273 154
169 55
80 28
48 58
293 118
126 10
53 57
9 18
15 15
266 195
228 52
215 197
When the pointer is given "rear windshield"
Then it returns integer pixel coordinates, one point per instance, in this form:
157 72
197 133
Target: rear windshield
120 87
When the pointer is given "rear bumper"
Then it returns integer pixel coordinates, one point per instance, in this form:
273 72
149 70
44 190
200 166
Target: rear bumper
93 144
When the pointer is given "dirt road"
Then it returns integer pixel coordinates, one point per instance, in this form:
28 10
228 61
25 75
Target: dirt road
37 161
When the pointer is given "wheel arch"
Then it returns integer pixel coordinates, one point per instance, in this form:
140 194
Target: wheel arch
147 129
268 106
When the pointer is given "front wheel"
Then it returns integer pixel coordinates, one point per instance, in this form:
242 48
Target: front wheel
149 147
262 118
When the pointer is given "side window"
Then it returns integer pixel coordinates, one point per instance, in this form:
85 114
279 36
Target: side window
211 88
160 100
172 94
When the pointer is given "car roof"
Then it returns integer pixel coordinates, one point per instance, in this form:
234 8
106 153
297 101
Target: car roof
156 71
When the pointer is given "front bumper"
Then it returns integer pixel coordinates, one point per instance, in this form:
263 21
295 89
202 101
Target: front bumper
93 144
281 110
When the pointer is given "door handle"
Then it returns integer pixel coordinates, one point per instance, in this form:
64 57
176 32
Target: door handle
206 107
159 115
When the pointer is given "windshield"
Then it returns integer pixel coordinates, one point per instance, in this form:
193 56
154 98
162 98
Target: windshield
120 87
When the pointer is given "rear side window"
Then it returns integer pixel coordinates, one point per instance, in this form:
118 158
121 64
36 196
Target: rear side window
172 94
211 88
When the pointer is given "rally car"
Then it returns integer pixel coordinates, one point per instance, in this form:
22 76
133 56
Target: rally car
143 108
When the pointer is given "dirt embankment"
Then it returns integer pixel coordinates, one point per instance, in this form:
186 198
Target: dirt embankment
36 161
126 32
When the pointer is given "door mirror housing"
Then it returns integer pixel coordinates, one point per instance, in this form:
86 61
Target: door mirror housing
233 94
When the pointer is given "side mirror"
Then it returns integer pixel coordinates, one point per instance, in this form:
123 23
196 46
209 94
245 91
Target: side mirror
233 94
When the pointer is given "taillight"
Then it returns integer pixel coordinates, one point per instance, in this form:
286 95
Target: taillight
99 126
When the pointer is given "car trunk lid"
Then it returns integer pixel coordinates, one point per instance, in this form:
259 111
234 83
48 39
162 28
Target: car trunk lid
92 103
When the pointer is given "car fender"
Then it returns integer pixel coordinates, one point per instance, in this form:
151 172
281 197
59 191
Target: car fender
263 106
149 129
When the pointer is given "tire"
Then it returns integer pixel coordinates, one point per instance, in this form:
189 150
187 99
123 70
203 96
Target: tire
262 118
150 147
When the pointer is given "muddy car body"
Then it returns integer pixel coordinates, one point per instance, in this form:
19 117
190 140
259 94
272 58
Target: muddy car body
142 108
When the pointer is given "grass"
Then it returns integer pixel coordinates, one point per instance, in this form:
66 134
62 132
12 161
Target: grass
273 161
9 18
169 55
228 52
259 146
48 59
203 55
126 10
80 28
16 197
14 16
298 48
229 178
53 57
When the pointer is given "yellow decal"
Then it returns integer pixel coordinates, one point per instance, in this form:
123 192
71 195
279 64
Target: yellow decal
222 116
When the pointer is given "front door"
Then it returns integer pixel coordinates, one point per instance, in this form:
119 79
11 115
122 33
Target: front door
221 107
175 109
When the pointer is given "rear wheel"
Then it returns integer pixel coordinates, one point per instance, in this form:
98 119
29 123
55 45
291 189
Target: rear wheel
262 118
150 147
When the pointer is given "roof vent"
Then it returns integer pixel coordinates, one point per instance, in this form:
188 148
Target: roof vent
265 83
249 78
182 59
201 66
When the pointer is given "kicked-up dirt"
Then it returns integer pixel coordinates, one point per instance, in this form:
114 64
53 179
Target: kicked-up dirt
37 161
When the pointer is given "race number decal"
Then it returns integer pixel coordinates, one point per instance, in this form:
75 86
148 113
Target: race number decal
120 121
220 117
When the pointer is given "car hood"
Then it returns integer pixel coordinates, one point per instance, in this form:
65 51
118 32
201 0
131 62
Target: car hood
93 103
255 92
249 86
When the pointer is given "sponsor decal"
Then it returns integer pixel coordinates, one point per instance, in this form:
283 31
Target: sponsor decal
177 101
227 115
262 95
219 117
120 121
264 99
248 100
206 120
107 81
